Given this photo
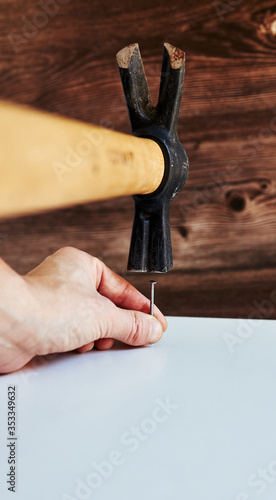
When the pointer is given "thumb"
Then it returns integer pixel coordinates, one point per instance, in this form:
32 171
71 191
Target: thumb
134 327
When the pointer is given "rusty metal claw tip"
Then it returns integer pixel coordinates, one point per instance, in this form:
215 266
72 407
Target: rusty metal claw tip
124 55
177 56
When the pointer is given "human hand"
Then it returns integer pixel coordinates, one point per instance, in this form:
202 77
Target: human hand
73 301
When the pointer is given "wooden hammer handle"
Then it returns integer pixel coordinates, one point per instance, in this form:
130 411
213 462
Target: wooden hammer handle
48 162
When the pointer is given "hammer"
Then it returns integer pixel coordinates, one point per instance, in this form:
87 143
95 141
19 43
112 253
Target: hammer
48 162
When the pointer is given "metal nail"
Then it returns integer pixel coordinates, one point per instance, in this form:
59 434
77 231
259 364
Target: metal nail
152 283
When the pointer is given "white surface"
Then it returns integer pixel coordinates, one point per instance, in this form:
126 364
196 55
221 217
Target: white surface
75 410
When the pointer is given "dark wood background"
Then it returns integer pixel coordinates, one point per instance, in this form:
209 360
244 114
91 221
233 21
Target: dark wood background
223 222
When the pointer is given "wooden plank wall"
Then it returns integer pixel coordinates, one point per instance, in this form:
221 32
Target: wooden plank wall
59 56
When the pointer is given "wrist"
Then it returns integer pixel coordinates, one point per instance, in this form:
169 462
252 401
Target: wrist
17 339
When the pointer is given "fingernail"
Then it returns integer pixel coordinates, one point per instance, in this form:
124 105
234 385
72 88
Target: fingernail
156 331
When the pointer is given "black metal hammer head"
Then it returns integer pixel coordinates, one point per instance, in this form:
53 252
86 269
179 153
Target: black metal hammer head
150 248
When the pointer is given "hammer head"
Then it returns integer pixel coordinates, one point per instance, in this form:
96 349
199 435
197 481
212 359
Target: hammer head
150 248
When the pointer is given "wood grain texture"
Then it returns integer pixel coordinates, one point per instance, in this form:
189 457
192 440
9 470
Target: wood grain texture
223 222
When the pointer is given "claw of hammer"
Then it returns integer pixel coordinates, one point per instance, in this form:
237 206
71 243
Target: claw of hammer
150 248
